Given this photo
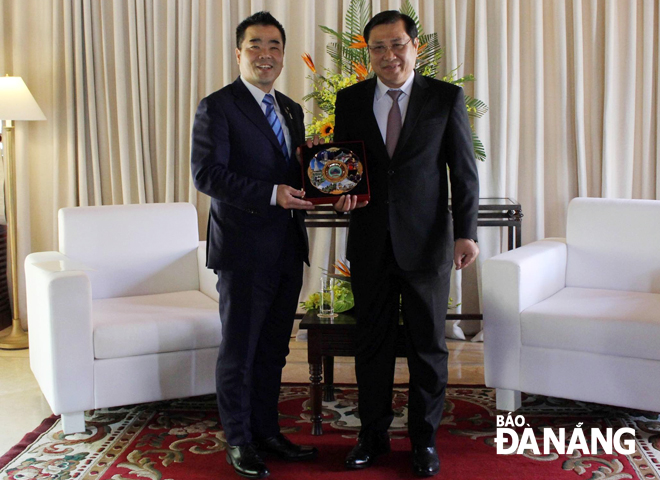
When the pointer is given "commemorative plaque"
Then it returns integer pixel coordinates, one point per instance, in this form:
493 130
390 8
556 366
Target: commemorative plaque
334 169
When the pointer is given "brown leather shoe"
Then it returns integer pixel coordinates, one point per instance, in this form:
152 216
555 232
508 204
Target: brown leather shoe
425 461
369 446
285 449
246 461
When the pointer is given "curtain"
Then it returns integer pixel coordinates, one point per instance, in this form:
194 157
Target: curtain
572 87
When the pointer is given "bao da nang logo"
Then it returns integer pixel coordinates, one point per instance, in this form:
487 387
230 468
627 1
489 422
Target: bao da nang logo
510 441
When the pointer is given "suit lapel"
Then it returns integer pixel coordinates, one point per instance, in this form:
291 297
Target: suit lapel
248 105
418 97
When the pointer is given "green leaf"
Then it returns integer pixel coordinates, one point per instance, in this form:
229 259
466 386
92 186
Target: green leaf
429 58
407 9
358 15
479 150
332 32
335 52
476 108
344 299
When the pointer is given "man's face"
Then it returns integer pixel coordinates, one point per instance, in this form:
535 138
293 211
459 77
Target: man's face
394 65
261 56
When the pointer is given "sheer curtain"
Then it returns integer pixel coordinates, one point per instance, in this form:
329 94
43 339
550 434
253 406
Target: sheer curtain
572 87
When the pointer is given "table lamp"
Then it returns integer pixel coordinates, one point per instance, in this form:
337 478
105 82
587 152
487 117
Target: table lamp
16 103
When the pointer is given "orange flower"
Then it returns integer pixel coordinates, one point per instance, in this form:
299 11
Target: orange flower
342 268
359 42
360 70
327 130
307 58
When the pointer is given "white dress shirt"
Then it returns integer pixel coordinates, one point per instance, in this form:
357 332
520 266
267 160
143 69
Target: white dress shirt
383 102
259 95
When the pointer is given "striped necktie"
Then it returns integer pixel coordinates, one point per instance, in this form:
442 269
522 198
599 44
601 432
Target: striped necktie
275 124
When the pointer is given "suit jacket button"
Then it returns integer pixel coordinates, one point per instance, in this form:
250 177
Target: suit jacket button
390 172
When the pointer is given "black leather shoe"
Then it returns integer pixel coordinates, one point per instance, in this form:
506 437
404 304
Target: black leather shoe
425 461
246 461
367 449
285 449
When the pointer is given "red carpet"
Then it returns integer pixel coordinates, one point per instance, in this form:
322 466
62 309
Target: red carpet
183 440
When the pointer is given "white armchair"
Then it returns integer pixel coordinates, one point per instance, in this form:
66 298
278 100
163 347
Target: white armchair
579 317
126 312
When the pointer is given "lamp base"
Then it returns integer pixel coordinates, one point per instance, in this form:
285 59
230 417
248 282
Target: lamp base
17 338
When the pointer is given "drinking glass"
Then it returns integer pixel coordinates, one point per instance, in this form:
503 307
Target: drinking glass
327 300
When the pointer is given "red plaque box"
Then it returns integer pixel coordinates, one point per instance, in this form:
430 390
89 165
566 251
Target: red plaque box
333 169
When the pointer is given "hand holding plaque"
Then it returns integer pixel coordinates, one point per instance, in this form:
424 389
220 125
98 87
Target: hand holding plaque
333 169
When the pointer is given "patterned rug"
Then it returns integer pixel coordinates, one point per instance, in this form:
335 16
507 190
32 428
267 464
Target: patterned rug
183 439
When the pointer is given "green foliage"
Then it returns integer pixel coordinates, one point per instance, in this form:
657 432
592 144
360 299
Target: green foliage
479 149
407 9
343 298
430 55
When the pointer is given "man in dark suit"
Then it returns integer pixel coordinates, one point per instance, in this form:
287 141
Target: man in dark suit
243 141
403 242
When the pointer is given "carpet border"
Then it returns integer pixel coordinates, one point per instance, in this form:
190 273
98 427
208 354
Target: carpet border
27 440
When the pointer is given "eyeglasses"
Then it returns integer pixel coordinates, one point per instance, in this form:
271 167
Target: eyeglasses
395 47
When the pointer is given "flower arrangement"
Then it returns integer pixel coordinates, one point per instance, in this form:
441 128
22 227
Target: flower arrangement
343 292
350 55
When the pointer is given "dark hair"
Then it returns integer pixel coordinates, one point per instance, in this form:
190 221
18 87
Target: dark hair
389 17
259 18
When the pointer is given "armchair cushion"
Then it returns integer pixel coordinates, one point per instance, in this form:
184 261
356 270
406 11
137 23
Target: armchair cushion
133 249
148 324
607 322
613 244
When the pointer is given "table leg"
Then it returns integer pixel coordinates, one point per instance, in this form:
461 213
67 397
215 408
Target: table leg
510 237
315 376
329 371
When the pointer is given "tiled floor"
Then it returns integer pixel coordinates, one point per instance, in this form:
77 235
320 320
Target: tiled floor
23 407
466 365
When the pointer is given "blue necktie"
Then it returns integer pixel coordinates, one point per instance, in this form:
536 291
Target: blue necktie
275 124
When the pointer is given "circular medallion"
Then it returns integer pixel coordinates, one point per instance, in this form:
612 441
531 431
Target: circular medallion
335 171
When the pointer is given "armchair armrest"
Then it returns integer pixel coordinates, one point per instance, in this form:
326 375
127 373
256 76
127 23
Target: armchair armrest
59 305
512 282
207 278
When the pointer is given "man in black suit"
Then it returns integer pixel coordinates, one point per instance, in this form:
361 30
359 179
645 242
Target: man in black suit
403 242
243 141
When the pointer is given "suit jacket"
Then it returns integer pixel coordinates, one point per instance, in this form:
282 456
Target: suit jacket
409 193
236 159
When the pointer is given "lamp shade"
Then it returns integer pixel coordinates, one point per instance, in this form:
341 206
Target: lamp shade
16 101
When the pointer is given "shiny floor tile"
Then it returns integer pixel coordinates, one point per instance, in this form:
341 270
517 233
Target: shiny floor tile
22 405
466 361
